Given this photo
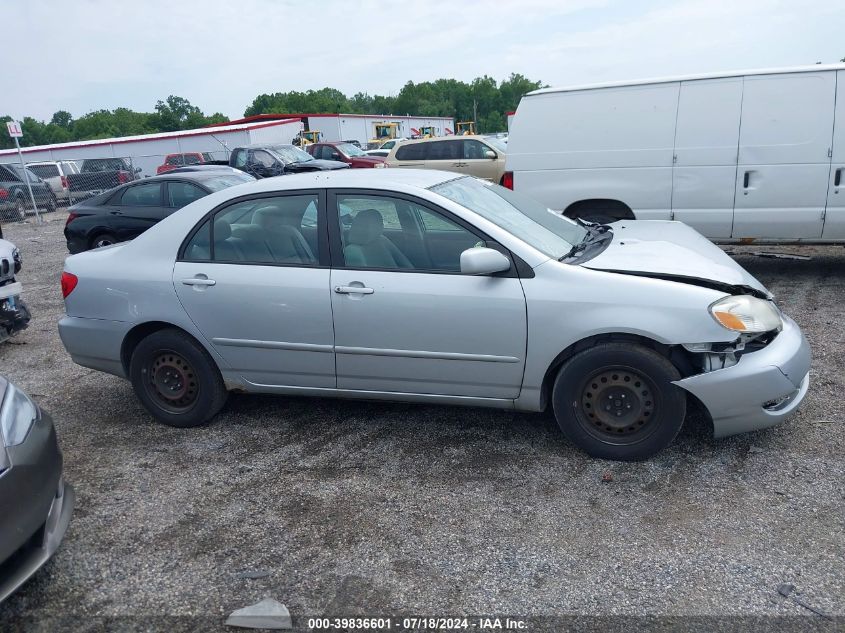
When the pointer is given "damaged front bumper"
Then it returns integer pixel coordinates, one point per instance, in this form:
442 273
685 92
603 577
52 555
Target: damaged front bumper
762 389
14 315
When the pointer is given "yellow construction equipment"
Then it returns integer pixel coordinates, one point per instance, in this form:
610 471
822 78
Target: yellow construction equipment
383 132
465 127
427 131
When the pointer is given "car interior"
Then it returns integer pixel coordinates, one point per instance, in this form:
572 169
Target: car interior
376 232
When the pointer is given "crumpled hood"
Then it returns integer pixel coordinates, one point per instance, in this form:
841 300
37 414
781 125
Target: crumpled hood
671 250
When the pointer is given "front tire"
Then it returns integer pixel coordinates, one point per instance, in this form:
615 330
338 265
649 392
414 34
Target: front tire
176 379
617 401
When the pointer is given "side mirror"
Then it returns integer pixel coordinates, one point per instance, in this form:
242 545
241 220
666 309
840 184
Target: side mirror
489 153
483 261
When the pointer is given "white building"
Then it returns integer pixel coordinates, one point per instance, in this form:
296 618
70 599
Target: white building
361 127
147 151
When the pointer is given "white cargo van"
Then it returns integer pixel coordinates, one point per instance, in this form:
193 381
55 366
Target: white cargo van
743 156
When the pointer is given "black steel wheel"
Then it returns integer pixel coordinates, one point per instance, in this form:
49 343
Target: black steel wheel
176 379
617 401
20 207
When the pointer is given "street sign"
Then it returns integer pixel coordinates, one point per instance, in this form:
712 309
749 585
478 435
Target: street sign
14 128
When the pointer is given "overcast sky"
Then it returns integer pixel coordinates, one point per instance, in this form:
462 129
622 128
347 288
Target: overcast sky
83 55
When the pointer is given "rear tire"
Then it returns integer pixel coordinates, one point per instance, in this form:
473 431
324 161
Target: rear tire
103 239
20 208
176 379
617 401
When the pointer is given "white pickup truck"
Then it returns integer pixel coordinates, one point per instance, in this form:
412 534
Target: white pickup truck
749 156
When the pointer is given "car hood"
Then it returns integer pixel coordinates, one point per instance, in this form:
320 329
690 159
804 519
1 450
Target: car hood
674 251
369 160
317 164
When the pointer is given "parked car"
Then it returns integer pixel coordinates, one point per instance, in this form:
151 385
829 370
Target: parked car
15 200
383 153
425 286
748 156
206 167
172 161
55 174
97 175
345 153
37 503
14 314
478 156
265 161
127 211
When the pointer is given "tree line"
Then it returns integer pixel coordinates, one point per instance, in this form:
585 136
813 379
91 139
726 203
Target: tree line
484 100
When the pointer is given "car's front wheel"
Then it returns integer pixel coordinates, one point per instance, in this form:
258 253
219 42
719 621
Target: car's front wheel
616 401
176 379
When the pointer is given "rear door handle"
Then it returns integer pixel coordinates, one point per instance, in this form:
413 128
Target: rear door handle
199 281
353 290
838 177
745 179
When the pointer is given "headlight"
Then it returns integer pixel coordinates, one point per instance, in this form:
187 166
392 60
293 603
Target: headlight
380 165
16 415
742 313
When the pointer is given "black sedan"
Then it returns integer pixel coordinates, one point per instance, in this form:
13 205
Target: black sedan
36 502
125 212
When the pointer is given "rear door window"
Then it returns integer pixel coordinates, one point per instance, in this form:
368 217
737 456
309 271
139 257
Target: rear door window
411 151
443 150
45 171
181 194
146 195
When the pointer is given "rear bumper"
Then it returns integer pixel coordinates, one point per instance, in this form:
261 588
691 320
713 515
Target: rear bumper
40 506
94 343
763 389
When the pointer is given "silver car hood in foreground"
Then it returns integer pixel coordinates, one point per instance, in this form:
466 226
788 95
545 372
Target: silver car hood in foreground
672 250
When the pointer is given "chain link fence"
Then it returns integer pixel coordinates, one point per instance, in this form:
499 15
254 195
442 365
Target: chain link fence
59 184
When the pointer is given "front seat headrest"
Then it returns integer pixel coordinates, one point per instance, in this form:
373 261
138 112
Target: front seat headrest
367 226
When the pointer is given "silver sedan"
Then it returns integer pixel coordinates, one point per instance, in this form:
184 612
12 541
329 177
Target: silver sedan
424 286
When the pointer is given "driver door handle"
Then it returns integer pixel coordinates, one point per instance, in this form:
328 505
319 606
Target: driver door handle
353 290
198 281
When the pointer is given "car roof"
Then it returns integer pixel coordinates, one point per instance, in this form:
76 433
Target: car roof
264 145
352 178
451 137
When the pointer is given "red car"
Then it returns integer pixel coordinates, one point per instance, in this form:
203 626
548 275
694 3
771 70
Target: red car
172 161
345 153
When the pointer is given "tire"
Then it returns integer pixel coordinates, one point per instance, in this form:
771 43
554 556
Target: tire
52 204
103 239
597 217
617 401
20 207
176 380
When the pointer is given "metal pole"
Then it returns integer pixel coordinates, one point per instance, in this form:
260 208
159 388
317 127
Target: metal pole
26 178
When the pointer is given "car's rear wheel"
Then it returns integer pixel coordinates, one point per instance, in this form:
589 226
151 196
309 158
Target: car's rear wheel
617 401
20 207
103 239
176 380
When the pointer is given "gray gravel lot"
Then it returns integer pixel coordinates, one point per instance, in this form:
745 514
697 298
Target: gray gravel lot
374 508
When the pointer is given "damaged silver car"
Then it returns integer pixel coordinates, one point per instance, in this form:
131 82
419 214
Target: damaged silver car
14 315
420 286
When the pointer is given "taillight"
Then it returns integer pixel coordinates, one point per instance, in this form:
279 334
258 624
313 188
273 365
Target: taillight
64 182
122 177
71 217
4 193
69 281
507 180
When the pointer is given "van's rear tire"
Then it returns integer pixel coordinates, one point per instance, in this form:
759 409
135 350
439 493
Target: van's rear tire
617 401
176 379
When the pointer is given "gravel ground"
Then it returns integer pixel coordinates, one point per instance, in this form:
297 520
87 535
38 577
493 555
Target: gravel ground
375 508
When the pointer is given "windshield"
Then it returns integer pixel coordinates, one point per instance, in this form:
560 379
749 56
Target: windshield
497 143
291 154
229 180
544 229
350 150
